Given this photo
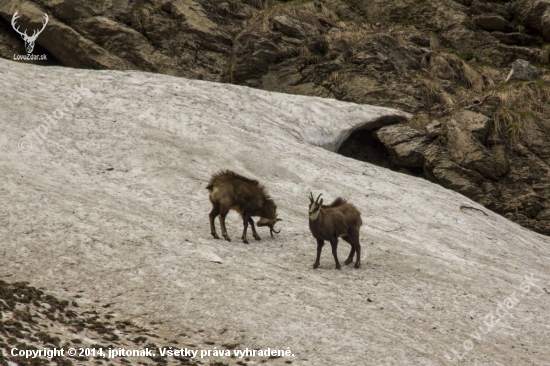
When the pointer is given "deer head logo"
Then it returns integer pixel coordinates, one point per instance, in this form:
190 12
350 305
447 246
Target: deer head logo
29 40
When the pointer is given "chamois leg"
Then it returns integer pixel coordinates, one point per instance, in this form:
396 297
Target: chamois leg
212 215
320 244
223 213
352 252
256 236
358 250
356 247
245 227
334 245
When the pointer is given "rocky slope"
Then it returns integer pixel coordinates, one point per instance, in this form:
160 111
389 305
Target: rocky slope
31 320
445 61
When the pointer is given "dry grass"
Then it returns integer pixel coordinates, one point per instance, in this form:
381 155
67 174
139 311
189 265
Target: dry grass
258 4
545 54
353 38
434 43
449 66
302 11
520 104
434 92
334 76
509 122
420 121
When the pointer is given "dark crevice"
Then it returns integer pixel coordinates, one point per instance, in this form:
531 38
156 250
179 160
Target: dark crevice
364 146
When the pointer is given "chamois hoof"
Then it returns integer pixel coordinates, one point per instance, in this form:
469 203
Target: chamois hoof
226 237
315 265
215 236
357 265
245 241
338 267
257 238
348 261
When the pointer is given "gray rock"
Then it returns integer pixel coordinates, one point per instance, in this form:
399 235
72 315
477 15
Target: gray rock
434 129
405 145
440 168
491 22
522 71
466 134
293 28
419 40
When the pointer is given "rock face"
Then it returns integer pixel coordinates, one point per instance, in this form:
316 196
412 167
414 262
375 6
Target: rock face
467 132
536 14
169 36
500 175
405 145
431 58
441 168
463 162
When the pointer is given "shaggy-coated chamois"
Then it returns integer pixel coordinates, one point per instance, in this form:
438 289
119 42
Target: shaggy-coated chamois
231 191
340 219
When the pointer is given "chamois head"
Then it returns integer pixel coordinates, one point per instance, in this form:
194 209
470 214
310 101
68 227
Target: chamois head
269 217
314 206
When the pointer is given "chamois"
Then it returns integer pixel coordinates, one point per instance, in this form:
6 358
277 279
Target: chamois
340 219
231 191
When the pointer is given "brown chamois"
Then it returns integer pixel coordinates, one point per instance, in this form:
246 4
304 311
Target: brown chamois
230 191
340 219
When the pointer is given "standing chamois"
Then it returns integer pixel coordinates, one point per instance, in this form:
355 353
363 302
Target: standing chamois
340 219
230 191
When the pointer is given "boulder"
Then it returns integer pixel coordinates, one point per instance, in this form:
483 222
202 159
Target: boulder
292 27
441 169
522 71
434 129
466 135
492 22
405 145
193 19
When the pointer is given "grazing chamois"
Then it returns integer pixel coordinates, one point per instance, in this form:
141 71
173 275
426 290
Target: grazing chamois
230 191
340 219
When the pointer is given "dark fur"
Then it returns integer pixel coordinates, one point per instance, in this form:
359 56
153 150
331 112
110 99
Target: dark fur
339 219
229 190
